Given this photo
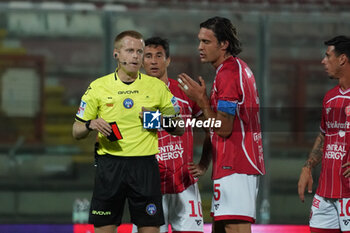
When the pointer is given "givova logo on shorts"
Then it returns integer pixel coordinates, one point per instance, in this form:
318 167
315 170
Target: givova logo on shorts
151 209
101 213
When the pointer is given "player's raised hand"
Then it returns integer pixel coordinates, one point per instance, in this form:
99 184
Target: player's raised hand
305 181
194 90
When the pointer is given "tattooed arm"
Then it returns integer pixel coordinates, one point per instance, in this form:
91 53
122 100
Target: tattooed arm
315 156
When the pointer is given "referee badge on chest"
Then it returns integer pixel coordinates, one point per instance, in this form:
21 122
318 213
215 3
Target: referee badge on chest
128 103
347 110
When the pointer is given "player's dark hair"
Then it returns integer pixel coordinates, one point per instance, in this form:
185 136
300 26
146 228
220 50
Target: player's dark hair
341 45
224 31
158 41
133 34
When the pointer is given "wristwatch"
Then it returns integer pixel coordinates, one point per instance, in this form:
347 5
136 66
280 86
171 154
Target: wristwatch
87 125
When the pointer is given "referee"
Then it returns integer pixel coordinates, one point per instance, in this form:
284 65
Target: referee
126 163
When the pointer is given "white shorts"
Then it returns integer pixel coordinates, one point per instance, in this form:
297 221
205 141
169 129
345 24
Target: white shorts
330 215
183 211
234 198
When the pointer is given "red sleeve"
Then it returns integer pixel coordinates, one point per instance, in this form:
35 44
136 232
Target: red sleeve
228 85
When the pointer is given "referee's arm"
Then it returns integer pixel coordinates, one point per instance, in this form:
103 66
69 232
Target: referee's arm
80 129
178 129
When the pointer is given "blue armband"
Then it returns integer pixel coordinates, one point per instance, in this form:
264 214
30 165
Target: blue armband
227 106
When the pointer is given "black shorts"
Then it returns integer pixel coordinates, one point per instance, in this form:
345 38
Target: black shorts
119 178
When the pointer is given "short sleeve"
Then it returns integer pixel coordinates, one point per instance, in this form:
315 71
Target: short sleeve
168 103
228 86
88 105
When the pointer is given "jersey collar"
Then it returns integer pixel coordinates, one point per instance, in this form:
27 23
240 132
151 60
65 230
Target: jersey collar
116 75
344 92
218 69
230 58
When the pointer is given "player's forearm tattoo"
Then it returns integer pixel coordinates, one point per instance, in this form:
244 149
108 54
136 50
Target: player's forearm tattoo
316 153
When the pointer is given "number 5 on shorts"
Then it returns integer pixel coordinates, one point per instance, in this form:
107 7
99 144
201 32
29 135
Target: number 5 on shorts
217 192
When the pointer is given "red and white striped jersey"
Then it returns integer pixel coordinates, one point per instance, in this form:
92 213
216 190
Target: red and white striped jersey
335 125
175 152
242 151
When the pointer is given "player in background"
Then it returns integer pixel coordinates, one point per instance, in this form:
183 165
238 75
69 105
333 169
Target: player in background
126 164
237 145
181 198
330 206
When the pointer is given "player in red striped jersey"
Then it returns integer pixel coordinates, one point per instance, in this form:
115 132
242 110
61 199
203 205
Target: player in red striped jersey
330 206
181 199
237 145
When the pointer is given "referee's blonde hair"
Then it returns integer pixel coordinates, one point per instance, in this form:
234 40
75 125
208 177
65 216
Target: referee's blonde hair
122 35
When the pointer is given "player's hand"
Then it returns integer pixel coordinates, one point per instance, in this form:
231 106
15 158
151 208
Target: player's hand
305 181
346 173
196 170
194 90
101 126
